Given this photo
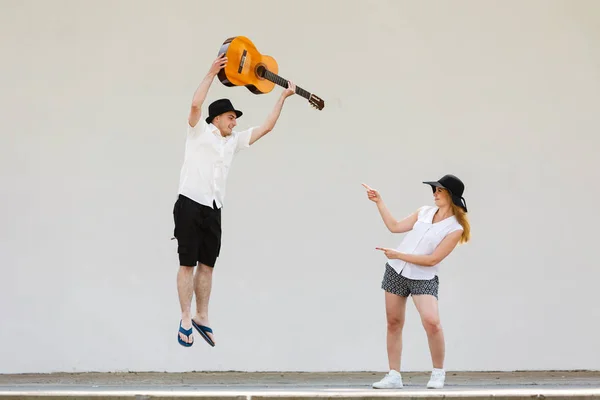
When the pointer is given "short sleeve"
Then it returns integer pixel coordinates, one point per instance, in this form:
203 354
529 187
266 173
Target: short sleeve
456 227
423 211
197 129
243 139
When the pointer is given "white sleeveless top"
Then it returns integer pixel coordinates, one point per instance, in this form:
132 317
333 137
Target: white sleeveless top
423 239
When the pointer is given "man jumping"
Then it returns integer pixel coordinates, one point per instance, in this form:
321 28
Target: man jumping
210 146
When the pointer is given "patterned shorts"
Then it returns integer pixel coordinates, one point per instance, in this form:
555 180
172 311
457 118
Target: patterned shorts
399 285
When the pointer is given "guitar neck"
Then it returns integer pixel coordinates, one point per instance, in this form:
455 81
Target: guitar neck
276 79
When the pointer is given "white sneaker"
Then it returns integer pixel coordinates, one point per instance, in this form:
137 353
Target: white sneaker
392 380
438 376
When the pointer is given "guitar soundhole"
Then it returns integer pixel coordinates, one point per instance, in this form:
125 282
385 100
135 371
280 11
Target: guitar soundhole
260 71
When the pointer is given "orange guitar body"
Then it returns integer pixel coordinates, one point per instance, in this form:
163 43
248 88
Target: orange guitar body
246 65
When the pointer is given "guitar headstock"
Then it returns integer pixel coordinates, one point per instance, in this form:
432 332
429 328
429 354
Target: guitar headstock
316 102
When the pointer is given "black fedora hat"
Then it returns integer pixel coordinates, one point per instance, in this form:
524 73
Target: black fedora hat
454 186
219 107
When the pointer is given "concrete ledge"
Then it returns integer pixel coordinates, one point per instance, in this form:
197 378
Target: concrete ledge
297 386
496 394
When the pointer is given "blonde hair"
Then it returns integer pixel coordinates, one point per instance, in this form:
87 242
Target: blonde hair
463 220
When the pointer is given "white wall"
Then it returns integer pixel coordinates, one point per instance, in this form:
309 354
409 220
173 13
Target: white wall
94 103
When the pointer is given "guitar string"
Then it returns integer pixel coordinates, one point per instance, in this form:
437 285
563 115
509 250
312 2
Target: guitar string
282 82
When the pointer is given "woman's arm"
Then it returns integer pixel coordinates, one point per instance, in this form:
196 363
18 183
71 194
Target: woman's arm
390 222
394 225
442 251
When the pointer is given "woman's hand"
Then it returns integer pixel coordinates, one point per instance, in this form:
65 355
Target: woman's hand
389 253
372 194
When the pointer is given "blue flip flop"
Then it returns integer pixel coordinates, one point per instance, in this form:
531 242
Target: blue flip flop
186 332
202 331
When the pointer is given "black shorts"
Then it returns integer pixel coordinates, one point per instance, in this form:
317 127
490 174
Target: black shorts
198 232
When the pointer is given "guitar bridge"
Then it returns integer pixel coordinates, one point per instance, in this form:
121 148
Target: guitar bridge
242 61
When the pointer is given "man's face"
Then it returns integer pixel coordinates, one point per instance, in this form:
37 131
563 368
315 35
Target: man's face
225 122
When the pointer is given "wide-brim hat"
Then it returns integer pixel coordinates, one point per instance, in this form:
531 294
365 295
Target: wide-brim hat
219 107
454 186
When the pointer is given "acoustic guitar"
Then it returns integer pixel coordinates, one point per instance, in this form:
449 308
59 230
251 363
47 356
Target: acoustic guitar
247 67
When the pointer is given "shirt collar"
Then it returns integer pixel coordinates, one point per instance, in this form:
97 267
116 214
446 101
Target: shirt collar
214 129
216 132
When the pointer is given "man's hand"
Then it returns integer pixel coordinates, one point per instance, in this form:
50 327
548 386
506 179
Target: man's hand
389 253
289 91
217 65
372 194
200 94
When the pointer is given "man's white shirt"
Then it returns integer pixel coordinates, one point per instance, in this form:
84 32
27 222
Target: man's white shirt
207 160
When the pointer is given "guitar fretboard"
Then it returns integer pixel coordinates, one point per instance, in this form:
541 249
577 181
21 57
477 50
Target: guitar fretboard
276 79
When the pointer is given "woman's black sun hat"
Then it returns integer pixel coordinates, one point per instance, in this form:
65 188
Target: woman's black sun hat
454 186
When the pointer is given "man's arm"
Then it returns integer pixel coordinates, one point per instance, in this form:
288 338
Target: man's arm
441 252
269 123
200 94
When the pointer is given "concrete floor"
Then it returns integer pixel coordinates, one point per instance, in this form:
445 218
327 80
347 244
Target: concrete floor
254 386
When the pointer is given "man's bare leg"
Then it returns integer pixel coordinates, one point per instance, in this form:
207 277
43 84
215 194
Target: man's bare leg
185 289
202 289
